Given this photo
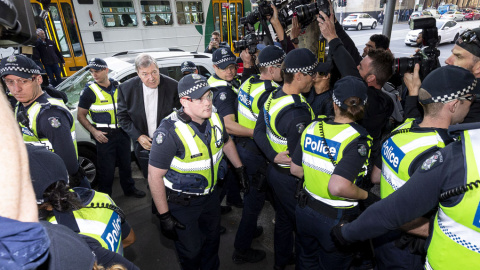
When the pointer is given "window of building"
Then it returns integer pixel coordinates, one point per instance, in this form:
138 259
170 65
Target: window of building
189 12
118 13
156 13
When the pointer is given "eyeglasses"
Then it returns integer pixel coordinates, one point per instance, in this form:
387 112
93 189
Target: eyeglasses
469 36
145 74
231 68
471 98
208 98
20 82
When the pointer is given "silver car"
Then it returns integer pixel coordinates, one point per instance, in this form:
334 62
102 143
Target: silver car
359 21
121 68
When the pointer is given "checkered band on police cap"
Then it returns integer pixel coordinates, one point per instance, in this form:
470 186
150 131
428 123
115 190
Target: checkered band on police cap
271 55
18 65
188 66
349 86
97 64
300 60
223 57
193 86
447 83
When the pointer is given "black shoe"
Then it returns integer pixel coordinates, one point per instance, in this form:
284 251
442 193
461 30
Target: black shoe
258 232
136 193
223 230
250 255
237 205
225 209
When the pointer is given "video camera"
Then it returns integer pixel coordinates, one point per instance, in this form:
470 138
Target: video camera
308 13
427 57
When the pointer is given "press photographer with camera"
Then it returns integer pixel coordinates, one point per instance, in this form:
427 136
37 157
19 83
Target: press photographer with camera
214 42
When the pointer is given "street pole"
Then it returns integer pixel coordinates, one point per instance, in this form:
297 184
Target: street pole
388 20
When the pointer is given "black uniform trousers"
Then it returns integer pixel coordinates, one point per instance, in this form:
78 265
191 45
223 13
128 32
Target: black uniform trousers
284 187
254 200
116 151
197 245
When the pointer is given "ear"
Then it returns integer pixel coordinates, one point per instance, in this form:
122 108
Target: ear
298 76
184 102
39 79
452 106
476 69
371 78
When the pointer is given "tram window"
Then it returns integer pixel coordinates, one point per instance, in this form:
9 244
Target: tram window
156 13
118 13
59 31
189 12
72 30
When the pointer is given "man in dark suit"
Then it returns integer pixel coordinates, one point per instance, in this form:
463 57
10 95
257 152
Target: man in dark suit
143 101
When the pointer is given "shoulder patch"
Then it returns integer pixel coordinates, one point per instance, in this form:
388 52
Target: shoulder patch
432 162
223 96
362 150
160 138
54 122
301 127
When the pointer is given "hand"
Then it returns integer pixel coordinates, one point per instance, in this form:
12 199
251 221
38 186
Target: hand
412 81
168 224
296 29
283 158
327 25
145 142
274 19
243 179
337 236
371 199
100 136
246 58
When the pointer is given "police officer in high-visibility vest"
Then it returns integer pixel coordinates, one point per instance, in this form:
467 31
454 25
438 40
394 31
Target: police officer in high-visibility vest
43 120
251 97
227 84
448 179
331 156
277 132
99 100
406 148
186 152
91 214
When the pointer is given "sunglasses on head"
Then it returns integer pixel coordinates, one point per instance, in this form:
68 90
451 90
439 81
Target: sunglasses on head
469 36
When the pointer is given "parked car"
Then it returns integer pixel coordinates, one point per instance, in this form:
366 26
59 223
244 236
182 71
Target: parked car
472 15
121 68
453 15
359 21
419 14
448 31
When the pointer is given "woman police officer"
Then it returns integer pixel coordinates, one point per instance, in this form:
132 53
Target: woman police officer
332 155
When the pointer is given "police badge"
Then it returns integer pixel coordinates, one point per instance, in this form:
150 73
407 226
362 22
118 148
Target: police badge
223 96
12 58
160 138
362 150
54 122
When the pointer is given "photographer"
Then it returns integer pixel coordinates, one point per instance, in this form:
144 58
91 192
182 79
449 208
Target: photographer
214 42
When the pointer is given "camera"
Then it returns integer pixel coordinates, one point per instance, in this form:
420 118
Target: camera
427 57
307 13
16 17
263 10
249 42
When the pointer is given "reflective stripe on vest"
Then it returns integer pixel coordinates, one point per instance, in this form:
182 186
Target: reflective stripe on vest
399 151
32 113
316 163
197 159
103 104
100 223
214 82
455 242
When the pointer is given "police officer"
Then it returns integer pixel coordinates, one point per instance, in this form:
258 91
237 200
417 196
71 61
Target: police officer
85 211
277 132
251 97
187 149
188 67
331 156
224 101
99 100
448 179
409 145
44 120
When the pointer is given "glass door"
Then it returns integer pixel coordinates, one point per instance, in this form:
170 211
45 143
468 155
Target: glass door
226 17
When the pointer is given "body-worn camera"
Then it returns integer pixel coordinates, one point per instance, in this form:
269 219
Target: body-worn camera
308 13
249 42
427 57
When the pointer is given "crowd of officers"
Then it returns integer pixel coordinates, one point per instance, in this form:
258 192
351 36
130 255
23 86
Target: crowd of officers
315 136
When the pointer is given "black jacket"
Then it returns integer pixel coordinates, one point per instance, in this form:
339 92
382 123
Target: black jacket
47 52
131 108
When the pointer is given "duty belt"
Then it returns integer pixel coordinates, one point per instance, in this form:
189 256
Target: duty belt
179 197
320 207
281 169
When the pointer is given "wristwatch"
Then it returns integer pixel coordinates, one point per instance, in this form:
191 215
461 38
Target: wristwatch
295 40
